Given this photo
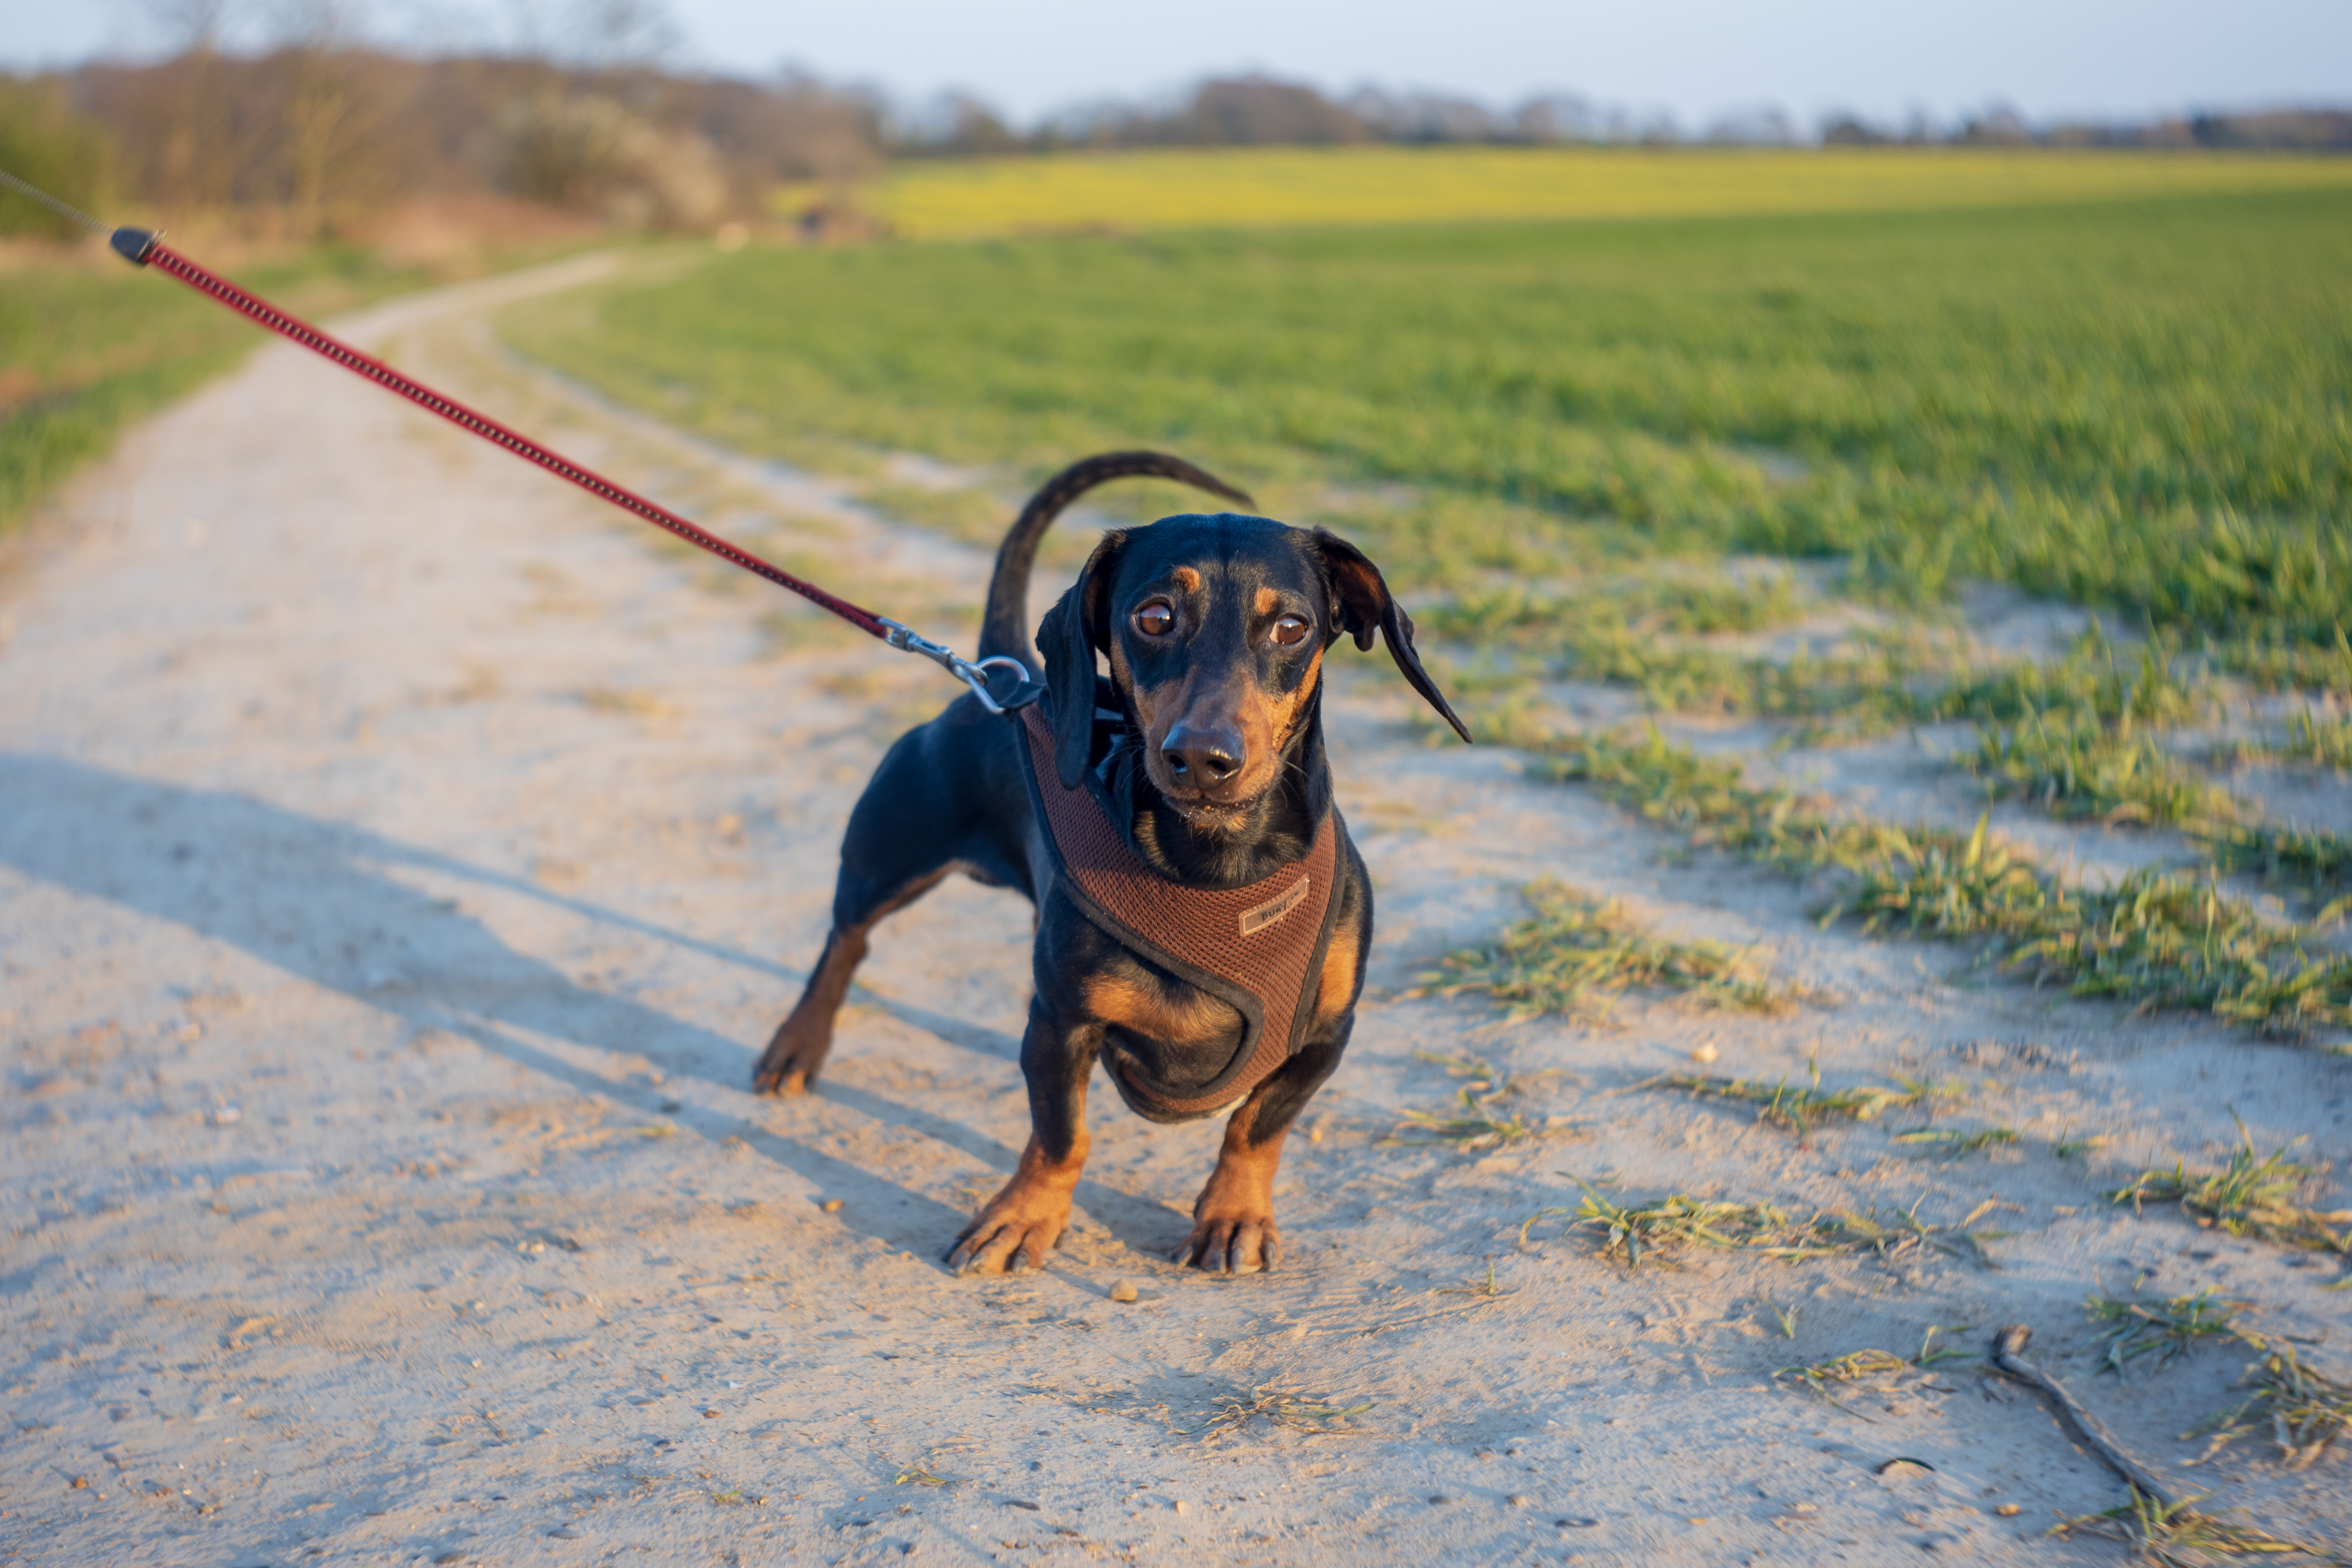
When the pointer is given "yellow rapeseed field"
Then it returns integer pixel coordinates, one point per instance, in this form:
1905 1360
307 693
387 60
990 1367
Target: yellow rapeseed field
1256 188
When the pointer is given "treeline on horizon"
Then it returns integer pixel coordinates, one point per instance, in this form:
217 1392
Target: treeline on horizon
317 128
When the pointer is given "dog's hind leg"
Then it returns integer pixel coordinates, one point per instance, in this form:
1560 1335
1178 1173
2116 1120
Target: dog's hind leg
798 1048
938 803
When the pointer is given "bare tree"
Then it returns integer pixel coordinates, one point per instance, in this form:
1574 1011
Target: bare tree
195 162
325 119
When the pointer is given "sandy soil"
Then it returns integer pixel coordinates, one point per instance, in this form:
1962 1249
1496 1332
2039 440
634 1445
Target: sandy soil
400 864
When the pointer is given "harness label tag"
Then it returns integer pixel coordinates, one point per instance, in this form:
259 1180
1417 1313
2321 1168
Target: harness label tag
1273 909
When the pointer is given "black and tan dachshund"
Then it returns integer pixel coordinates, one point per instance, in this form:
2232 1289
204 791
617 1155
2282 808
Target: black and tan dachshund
1203 751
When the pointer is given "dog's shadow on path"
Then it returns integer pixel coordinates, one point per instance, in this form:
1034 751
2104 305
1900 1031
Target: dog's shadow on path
317 899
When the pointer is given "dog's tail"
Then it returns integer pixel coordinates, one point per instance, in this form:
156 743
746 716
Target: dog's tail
1005 631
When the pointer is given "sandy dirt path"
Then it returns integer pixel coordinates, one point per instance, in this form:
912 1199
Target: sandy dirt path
401 862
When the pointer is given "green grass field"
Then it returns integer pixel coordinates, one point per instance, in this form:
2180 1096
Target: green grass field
2145 404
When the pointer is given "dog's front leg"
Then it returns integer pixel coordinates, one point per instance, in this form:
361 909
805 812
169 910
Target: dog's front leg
1025 1221
1232 1220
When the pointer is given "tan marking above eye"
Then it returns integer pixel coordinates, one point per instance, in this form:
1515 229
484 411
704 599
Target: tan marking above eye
1188 579
1266 600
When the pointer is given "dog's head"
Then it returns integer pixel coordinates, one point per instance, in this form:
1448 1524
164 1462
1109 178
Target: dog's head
1215 627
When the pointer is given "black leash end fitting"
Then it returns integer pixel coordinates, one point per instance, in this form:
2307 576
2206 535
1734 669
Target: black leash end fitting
132 244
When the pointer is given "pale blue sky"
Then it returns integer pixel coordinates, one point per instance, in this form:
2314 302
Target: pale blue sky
1697 59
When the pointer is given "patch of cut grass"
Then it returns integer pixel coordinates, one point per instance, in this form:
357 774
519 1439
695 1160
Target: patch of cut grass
2306 1410
2311 859
1858 1366
2093 679
2277 664
1758 1230
1799 1108
1579 953
1636 1231
2166 1327
1481 1120
1953 1142
2252 1196
2158 939
2177 1536
2074 768
2311 741
1903 1234
1276 1404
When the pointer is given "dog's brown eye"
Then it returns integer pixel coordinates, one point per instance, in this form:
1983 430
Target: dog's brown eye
1290 630
1155 619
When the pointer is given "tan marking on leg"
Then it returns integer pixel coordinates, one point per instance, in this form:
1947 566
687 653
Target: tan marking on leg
1232 1219
1024 1222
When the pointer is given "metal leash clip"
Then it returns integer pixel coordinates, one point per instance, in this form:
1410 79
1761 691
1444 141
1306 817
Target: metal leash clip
974 674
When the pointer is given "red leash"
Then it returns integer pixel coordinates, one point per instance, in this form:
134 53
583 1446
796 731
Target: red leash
146 249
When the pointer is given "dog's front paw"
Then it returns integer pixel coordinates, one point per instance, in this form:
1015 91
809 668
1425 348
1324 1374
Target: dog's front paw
1008 1238
1231 1244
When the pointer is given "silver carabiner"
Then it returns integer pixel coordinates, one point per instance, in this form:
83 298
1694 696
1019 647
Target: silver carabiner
973 673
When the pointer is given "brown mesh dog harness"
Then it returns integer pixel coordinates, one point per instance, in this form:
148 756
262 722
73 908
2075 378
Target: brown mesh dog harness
1259 947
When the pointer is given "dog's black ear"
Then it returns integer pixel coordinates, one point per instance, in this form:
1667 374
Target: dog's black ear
1067 638
1366 604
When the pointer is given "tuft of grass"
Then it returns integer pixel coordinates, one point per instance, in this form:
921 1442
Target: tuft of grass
2092 681
1852 1367
1277 1403
2177 1536
621 700
2272 663
1637 1231
1481 1120
1903 1234
1953 1142
2312 859
2067 1145
1800 1108
1858 1365
2311 741
2160 939
2165 1326
1762 1231
2252 1196
2071 767
2306 1410
1579 953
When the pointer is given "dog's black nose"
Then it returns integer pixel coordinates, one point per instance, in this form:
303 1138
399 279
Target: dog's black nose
1203 757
